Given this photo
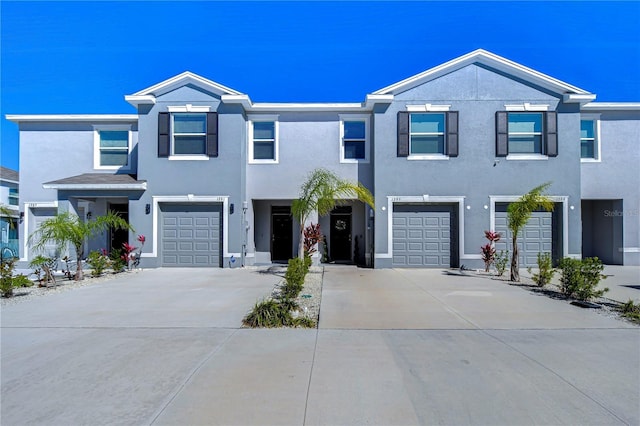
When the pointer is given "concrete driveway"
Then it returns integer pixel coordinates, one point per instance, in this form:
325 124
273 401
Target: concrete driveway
394 347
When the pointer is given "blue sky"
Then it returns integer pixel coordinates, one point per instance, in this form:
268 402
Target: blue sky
77 57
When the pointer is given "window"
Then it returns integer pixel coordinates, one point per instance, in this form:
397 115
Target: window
526 135
263 139
588 142
427 136
112 147
13 196
354 138
188 133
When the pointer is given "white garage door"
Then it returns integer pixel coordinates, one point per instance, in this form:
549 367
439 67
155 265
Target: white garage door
536 237
191 235
422 236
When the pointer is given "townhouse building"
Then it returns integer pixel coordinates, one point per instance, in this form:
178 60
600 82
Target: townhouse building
9 199
208 175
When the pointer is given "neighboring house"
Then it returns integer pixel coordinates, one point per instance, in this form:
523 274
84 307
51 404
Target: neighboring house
208 176
9 197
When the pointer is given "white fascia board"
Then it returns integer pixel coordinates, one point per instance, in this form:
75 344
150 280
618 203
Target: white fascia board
72 117
373 99
237 99
274 107
572 98
77 186
137 100
489 59
612 106
185 78
9 181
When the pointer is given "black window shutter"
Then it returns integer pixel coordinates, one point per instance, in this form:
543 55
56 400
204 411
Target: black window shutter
551 134
403 134
163 134
212 134
452 134
502 134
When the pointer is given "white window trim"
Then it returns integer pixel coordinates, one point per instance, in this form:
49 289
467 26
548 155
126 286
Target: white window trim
443 133
428 108
186 157
189 108
367 137
526 107
598 148
526 157
96 145
252 118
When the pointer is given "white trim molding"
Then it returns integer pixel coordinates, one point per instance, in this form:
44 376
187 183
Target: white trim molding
424 199
20 118
526 107
189 108
367 137
25 222
564 199
97 128
253 118
428 108
595 117
190 199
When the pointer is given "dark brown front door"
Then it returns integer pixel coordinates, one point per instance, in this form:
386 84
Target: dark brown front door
281 234
119 236
340 234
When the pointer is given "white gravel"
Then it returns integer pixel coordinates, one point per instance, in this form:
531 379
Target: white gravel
311 295
24 294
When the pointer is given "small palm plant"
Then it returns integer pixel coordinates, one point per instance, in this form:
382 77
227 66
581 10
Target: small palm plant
67 228
321 192
519 213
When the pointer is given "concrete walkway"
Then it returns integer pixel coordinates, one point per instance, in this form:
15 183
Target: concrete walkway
394 347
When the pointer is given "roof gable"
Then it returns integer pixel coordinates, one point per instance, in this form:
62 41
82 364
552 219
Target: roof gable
149 95
488 59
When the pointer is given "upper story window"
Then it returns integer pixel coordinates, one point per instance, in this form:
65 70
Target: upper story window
112 148
526 135
263 139
354 138
428 136
589 146
13 196
188 133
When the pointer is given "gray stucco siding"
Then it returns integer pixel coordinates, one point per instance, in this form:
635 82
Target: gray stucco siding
477 93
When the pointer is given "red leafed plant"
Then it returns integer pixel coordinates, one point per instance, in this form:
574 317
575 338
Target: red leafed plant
311 235
488 250
127 249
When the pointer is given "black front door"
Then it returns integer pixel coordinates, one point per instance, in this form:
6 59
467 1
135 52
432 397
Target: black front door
119 236
281 234
340 234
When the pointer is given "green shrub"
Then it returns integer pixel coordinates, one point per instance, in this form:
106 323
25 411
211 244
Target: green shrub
289 305
307 263
22 281
98 262
267 313
43 265
303 322
117 261
631 310
295 272
6 277
580 278
545 270
501 261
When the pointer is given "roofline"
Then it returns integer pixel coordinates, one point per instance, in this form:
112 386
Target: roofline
148 95
487 58
99 186
612 106
9 180
365 106
22 118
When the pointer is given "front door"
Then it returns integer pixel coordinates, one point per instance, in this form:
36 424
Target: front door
281 234
340 234
119 236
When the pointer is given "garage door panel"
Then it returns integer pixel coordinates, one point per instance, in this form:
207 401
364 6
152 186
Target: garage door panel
536 236
191 235
421 236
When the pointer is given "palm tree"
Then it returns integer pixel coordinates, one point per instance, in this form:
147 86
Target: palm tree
321 192
519 213
67 228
